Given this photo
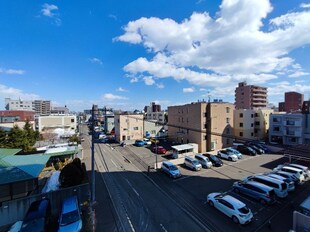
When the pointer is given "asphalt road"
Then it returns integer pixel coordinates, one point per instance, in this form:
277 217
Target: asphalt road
136 200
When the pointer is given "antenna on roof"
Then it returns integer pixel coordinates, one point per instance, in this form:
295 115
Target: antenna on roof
209 96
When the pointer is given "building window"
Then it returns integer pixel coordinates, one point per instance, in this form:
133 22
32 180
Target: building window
227 131
275 120
252 134
187 131
252 115
241 115
241 134
276 128
227 120
252 124
124 129
227 109
136 128
257 123
72 119
240 124
256 114
205 137
227 142
255 131
206 126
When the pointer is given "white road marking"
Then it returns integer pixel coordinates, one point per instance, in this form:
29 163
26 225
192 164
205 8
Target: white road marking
113 163
133 188
163 228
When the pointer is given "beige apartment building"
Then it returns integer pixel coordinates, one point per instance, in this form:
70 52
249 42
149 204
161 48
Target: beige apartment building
128 126
209 124
250 96
251 124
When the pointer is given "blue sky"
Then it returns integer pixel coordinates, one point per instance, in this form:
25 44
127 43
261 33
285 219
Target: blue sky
126 54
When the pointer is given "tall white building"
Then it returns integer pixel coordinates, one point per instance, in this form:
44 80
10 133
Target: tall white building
19 104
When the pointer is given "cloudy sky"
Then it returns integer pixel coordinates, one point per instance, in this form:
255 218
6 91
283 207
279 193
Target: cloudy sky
126 54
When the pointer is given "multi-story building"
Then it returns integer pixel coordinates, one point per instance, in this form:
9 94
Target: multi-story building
128 127
287 129
153 113
42 107
293 102
154 129
208 124
18 104
251 124
250 96
10 118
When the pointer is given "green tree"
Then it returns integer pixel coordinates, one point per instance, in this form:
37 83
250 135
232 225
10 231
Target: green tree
30 133
3 138
16 138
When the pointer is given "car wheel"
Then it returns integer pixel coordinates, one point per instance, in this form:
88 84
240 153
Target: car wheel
236 190
262 201
235 219
230 159
211 203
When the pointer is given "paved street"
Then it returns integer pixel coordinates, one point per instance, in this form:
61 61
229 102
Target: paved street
154 202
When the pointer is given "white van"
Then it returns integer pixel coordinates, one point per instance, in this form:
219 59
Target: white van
297 172
204 161
280 187
192 163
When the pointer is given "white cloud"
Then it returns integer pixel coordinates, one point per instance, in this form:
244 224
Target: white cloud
95 60
305 5
188 90
299 74
219 51
51 11
279 88
160 86
112 16
13 93
111 97
148 80
12 71
48 10
120 89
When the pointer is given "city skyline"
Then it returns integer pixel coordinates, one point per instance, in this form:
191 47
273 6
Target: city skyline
126 55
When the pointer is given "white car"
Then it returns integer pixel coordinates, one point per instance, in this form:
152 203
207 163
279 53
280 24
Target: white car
230 206
227 155
147 141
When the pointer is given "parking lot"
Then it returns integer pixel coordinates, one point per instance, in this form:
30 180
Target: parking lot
199 184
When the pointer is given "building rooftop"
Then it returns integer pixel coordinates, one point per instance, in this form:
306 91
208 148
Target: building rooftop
14 168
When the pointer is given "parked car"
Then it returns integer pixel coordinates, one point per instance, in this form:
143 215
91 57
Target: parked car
70 217
227 155
192 163
234 151
256 148
266 149
170 169
263 193
246 150
305 169
231 207
159 150
296 172
139 143
289 176
216 162
290 183
37 217
203 160
279 186
147 141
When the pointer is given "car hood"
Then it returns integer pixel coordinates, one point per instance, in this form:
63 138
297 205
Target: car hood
175 172
73 227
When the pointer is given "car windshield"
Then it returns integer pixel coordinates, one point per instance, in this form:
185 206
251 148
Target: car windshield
173 168
251 149
214 158
69 218
244 210
195 162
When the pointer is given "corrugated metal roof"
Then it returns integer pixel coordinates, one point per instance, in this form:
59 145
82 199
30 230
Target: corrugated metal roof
6 151
30 164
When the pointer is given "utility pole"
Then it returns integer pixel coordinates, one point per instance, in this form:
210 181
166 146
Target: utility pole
93 171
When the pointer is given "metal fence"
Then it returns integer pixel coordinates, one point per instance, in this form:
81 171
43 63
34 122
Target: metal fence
15 210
